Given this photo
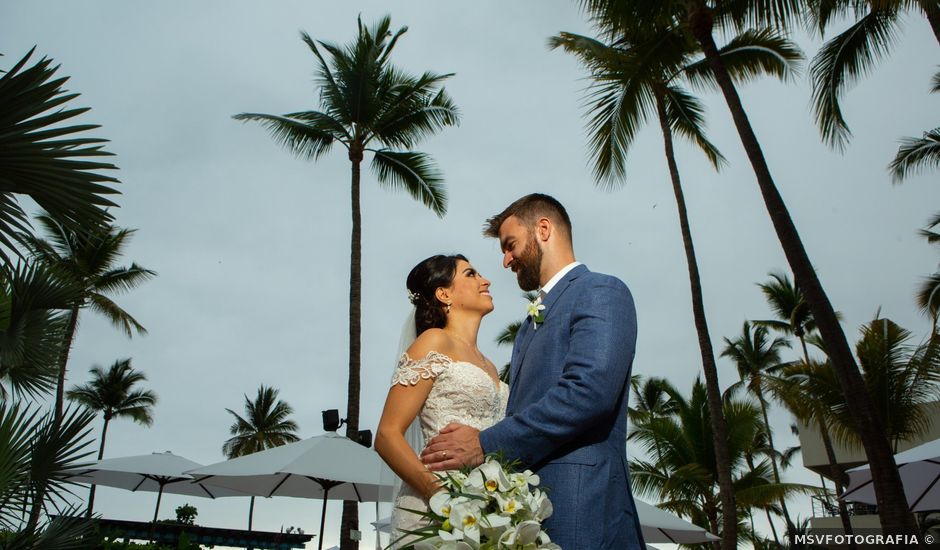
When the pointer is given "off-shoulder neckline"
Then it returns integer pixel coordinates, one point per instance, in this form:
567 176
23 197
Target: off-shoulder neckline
432 354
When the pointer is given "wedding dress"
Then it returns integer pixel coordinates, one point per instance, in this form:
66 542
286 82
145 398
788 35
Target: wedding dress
463 393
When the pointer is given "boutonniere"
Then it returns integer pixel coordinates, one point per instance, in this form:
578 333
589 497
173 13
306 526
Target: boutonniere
536 312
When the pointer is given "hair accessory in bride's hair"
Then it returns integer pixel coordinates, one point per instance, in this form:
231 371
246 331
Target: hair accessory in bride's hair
414 297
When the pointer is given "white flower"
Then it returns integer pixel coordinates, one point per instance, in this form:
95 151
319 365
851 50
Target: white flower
524 479
536 312
490 477
490 508
465 518
525 533
440 503
539 504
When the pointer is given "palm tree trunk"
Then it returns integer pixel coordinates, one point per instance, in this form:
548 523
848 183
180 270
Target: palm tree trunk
770 521
350 520
773 461
838 478
892 506
63 362
932 12
91 490
729 535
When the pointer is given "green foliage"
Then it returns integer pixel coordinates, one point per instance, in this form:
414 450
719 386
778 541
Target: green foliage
44 160
368 104
36 452
32 328
86 260
265 425
112 392
186 514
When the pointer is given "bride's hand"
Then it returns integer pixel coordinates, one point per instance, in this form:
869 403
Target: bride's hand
454 447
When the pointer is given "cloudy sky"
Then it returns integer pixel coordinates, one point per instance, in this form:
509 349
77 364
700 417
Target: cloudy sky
251 245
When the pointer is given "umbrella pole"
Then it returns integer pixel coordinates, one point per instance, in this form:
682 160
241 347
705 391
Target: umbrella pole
326 494
156 511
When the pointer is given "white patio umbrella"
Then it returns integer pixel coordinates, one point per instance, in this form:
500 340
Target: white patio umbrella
327 466
156 472
658 526
919 468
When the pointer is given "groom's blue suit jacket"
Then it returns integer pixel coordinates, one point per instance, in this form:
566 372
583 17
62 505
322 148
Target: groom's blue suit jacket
567 412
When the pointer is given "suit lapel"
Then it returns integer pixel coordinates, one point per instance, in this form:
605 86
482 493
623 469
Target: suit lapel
530 332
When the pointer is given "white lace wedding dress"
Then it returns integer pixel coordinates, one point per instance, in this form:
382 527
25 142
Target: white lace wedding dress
462 392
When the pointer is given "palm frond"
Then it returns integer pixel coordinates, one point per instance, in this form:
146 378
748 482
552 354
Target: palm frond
32 300
686 118
414 172
508 335
118 317
308 137
916 155
840 62
750 55
45 161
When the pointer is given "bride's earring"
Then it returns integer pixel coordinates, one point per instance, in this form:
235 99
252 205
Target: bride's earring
447 308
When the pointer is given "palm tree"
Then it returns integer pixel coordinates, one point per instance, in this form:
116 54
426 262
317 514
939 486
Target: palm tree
34 462
50 164
794 317
700 18
789 305
32 327
113 393
652 398
264 426
900 377
638 75
854 52
928 293
757 357
685 478
86 261
808 388
368 104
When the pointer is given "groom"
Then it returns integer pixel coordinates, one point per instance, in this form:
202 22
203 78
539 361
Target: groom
570 373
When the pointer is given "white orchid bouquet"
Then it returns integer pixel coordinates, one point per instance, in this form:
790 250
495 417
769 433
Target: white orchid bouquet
489 507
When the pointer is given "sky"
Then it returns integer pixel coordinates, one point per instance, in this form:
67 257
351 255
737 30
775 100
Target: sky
252 244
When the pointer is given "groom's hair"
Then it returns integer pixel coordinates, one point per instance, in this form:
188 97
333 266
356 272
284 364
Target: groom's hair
529 209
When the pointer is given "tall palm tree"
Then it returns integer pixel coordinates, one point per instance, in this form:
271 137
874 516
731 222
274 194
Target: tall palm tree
757 357
86 261
701 19
264 426
368 104
32 327
115 394
685 479
642 74
854 52
51 164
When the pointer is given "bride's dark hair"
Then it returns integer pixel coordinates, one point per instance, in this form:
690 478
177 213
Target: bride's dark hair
425 278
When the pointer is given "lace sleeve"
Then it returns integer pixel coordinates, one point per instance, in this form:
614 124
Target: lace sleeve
410 371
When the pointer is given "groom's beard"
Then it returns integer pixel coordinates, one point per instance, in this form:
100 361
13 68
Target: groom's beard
529 266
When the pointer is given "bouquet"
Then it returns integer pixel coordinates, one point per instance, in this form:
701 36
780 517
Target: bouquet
486 508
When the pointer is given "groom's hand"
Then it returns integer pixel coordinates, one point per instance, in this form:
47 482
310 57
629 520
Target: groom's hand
454 447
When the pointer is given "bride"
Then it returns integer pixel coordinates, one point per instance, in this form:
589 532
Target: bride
441 378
